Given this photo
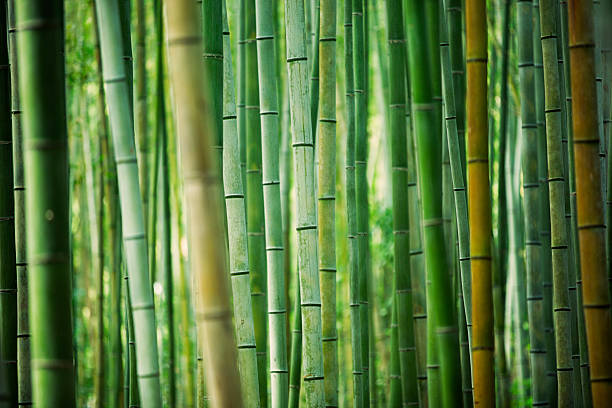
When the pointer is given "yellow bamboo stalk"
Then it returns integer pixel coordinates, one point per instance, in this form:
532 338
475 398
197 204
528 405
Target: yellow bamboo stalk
479 203
591 227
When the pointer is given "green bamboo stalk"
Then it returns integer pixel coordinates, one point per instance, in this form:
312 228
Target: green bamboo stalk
590 218
295 372
142 307
556 181
195 130
417 268
457 173
544 218
461 210
531 203
237 233
212 41
401 221
351 210
361 185
429 161
314 72
454 19
395 378
140 107
41 86
582 343
297 66
255 203
241 89
277 304
8 268
24 386
326 33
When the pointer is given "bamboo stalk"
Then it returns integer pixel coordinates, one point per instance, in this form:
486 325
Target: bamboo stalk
351 210
8 268
590 220
479 202
195 131
303 149
327 195
41 85
24 386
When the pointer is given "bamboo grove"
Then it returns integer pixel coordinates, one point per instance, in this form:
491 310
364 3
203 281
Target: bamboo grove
315 203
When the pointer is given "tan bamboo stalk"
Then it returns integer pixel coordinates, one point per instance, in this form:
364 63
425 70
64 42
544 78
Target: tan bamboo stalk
204 211
479 203
590 215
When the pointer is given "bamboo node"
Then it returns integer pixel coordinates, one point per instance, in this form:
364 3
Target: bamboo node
230 196
271 183
238 273
325 339
305 227
264 37
313 378
296 59
327 120
144 306
246 346
52 364
149 375
280 311
213 56
268 113
432 222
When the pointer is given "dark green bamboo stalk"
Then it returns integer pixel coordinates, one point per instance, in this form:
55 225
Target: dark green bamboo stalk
277 304
556 185
241 98
41 86
401 222
531 202
361 185
202 193
8 269
237 233
303 149
140 106
24 386
395 378
454 19
461 211
351 210
134 238
327 195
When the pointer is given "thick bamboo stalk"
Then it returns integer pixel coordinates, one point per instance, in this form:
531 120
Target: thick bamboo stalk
556 188
8 268
590 220
314 72
135 244
581 333
401 222
351 211
277 304
195 131
41 86
327 195
303 149
479 202
24 386
237 233
255 201
429 160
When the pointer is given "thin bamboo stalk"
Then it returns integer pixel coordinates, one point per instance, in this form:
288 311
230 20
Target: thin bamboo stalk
351 211
140 107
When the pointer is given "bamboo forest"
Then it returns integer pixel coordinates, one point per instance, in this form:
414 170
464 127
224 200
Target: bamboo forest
305 203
